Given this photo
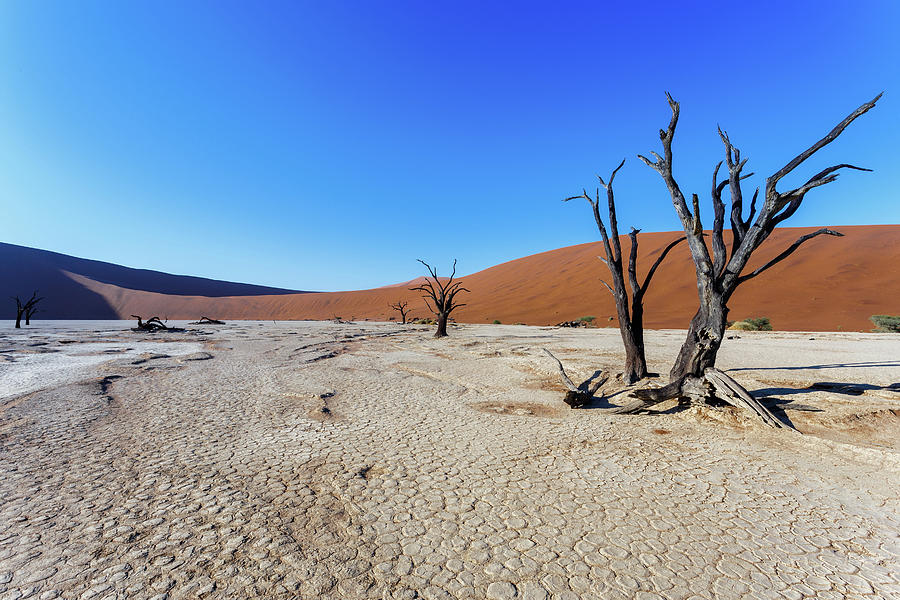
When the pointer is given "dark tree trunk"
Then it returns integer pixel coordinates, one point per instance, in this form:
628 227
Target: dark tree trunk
631 325
18 321
441 325
635 360
633 341
702 343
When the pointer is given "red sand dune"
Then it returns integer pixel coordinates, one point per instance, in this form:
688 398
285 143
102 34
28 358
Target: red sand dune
828 284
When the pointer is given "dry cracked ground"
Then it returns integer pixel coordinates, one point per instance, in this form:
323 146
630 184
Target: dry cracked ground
320 460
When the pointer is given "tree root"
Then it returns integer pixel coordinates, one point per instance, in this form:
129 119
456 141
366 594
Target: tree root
714 385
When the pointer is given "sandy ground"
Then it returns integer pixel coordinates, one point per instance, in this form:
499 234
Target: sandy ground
315 460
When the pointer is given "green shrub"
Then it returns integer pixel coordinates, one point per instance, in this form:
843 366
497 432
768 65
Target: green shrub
587 319
886 323
497 322
754 324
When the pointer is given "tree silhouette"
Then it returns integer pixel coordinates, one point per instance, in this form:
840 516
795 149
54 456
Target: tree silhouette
400 306
631 319
442 296
718 273
26 309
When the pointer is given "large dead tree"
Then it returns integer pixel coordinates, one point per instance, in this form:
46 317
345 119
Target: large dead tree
693 376
26 309
400 306
440 296
631 319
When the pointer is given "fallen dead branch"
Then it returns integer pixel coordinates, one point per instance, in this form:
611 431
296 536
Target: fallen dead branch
579 395
208 321
152 325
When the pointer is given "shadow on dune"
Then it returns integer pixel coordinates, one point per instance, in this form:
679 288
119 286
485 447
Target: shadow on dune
24 270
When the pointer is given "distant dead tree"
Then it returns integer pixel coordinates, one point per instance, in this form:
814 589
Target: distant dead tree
631 321
152 324
442 295
26 309
693 376
29 312
400 306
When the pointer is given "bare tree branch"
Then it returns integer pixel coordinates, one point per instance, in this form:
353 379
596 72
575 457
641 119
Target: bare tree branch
832 135
632 263
562 372
609 288
613 220
790 250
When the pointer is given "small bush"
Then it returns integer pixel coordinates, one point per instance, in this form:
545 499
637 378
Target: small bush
754 324
497 322
587 319
886 323
519 323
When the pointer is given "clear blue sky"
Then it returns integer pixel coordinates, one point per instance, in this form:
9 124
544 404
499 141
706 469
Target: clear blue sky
327 145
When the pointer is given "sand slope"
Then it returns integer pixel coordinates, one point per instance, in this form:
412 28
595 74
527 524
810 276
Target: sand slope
828 284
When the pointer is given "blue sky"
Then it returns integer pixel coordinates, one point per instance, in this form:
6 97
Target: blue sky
327 145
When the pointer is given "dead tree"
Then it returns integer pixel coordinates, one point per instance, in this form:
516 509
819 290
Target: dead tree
693 376
152 324
631 320
442 295
26 309
29 312
400 306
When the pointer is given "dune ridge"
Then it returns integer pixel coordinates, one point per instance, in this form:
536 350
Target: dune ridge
829 284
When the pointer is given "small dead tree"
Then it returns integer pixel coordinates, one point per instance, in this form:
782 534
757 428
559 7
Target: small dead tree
400 306
29 313
26 309
693 376
631 320
442 296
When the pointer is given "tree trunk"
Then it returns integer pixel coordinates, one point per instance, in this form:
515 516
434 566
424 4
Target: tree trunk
633 339
18 321
27 319
704 338
441 325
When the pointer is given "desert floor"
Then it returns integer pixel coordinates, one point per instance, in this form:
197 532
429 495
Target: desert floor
321 460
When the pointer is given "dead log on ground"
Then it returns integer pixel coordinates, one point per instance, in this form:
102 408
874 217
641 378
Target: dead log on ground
208 321
578 395
152 325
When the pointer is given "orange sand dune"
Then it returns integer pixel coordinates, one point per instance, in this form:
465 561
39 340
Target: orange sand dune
828 284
